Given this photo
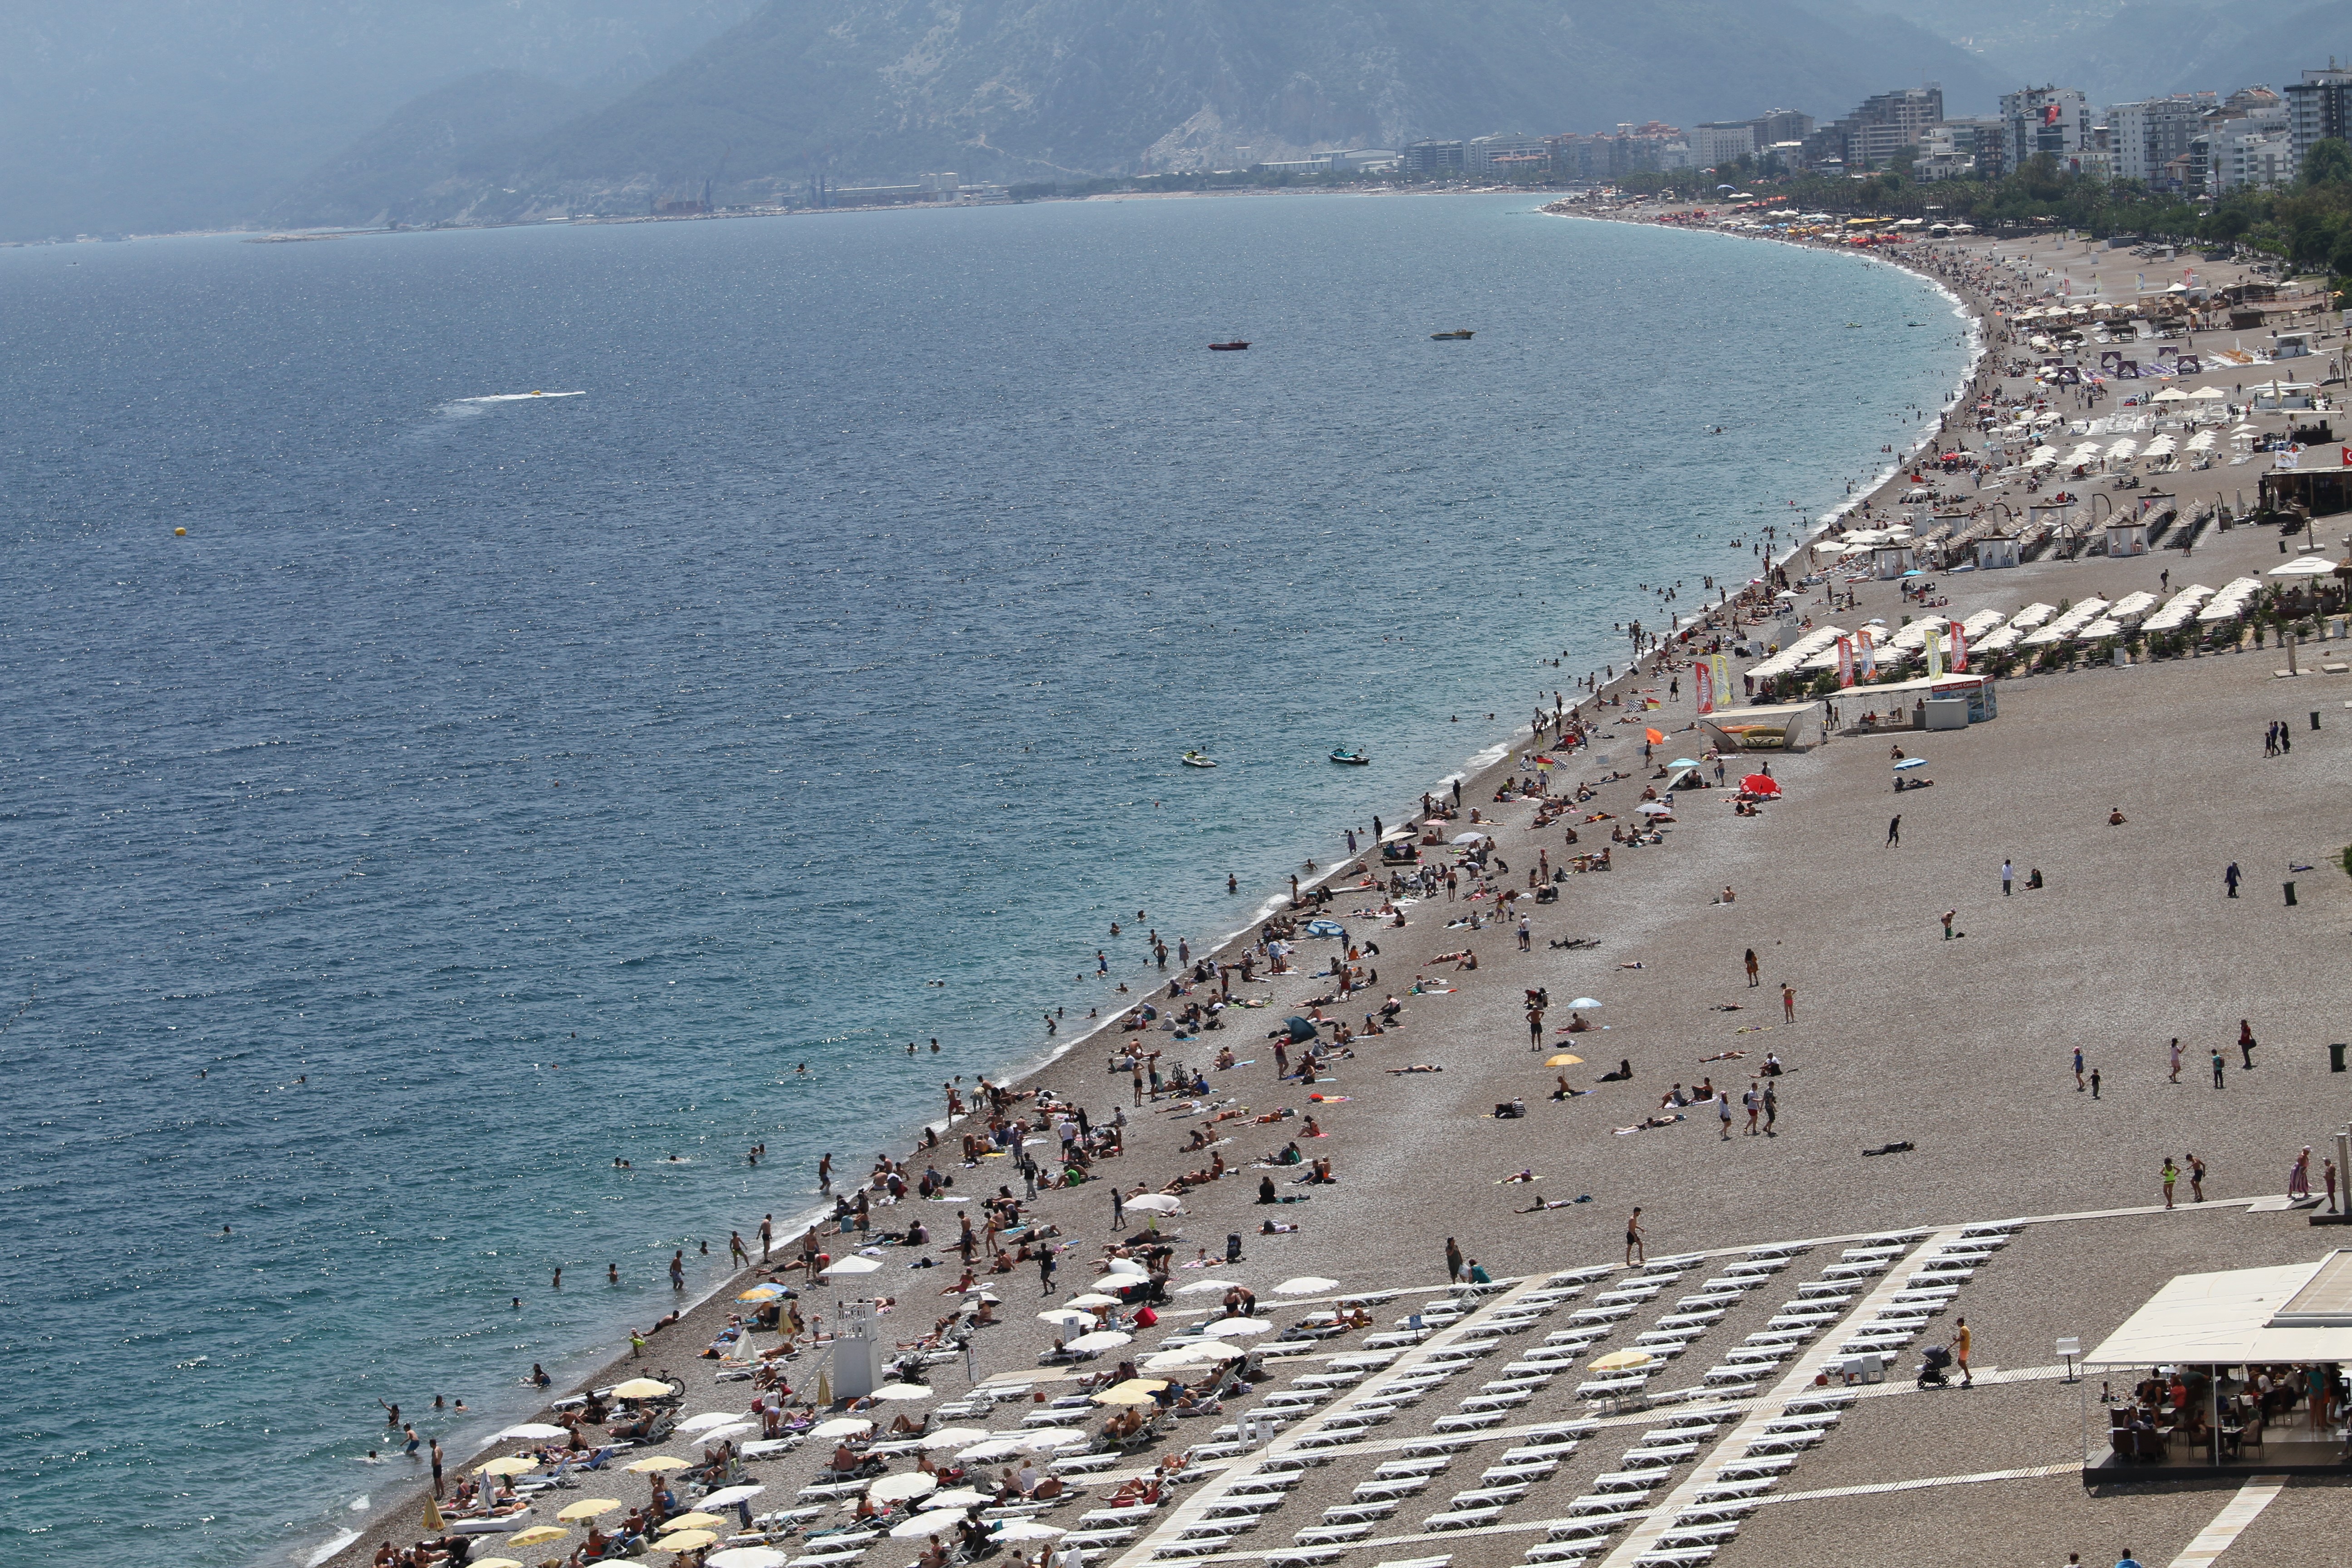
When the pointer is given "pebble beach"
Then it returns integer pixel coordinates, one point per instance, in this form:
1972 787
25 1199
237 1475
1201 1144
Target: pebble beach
1950 1047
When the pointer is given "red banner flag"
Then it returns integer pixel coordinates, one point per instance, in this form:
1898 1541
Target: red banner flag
1959 648
1845 662
1703 687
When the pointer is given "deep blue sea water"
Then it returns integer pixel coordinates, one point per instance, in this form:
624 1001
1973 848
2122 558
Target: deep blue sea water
481 791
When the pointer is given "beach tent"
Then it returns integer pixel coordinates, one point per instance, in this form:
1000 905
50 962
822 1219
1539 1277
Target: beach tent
1775 727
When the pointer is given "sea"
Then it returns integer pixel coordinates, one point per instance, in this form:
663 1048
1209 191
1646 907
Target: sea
483 706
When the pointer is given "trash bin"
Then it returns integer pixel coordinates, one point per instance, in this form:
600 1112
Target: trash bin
2289 892
2335 1057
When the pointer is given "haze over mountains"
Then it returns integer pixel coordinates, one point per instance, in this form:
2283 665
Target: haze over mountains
158 115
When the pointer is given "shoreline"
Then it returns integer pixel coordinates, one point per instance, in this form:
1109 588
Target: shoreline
1477 772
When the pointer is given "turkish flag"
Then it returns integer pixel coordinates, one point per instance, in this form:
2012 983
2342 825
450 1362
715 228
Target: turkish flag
2345 461
2050 115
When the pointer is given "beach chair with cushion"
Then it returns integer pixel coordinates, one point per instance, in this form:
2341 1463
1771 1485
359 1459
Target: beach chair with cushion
1305 1557
1560 1555
1461 1519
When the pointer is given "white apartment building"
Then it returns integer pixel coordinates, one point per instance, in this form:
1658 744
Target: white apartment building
1722 142
1480 153
2054 119
2143 137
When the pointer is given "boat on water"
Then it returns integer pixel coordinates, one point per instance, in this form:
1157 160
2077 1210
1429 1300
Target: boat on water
1197 760
1236 344
1352 759
1459 334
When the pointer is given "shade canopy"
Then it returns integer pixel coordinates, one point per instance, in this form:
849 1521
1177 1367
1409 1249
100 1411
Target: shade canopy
1025 1530
1622 1361
958 1497
1203 1287
922 1525
1134 1391
2300 1315
686 1540
537 1535
1305 1285
727 1497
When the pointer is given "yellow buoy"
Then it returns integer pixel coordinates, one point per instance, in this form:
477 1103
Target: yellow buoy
182 532
536 393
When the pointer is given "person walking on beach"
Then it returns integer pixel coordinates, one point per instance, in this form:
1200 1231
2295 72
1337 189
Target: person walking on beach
1771 1111
1949 915
1752 982
1634 1251
1754 1103
2094 1083
1895 831
1045 1272
2217 1067
2230 876
2008 876
2196 1180
1961 1341
1788 1004
1525 933
2176 1060
1118 1208
2171 1173
1452 1260
2246 1042
2078 1069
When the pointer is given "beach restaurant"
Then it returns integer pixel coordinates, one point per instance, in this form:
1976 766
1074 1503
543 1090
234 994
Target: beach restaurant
1773 727
2226 1372
2322 492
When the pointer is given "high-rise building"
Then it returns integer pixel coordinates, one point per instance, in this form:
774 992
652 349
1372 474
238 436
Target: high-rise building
1882 125
2319 106
2145 137
1432 159
2054 119
1491 154
1781 125
1722 142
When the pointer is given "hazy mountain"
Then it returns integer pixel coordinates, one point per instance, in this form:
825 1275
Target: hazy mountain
157 114
2119 49
876 90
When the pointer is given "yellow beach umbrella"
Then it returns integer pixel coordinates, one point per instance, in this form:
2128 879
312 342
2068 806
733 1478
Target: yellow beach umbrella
657 1464
495 1562
537 1535
1622 1361
509 1465
686 1540
1134 1391
643 1388
696 1520
1563 1060
589 1508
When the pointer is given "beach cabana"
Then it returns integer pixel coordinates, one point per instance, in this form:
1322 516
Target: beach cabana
1893 558
1996 552
2126 536
2236 1356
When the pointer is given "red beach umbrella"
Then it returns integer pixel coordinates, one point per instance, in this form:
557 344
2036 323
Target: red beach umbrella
1760 783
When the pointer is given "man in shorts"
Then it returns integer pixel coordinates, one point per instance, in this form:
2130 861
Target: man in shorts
1634 1252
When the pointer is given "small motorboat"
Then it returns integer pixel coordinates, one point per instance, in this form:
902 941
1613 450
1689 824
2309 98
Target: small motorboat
1352 759
1199 760
1458 334
1236 344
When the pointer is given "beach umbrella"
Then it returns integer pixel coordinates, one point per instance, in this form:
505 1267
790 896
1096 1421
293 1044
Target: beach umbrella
494 1562
921 1525
1025 1530
1305 1285
1622 1361
1586 1002
1047 1439
1654 808
1473 836
1320 927
1227 1328
727 1497
686 1540
1683 762
1102 1340
1396 834
698 1520
589 1508
1203 1287
537 1535
1164 1203
706 1420
433 1519
509 1465
850 1265
764 1293
1179 1359
1910 763
902 1391
1094 1298
995 1448
643 1388
896 1489
1760 783
485 1526
1301 1029
839 1427
531 1430
658 1464
1563 1060
741 1557
1125 1265
1134 1391
1067 1318
952 1437
957 1497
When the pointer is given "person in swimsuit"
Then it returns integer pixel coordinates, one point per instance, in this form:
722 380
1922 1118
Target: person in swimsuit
1634 1252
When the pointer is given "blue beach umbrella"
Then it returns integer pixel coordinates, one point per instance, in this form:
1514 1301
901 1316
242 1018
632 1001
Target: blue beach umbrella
1326 928
1683 762
1910 763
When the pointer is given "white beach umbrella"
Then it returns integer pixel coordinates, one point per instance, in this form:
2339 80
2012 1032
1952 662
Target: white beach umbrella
748 1557
1045 1439
1305 1285
1025 1530
1235 1328
727 1497
1203 1286
985 1453
1067 1318
842 1426
1102 1340
1158 1203
1094 1298
1179 1359
959 1497
903 1391
1125 1265
850 1265
898 1487
953 1437
736 1429
923 1525
541 1429
706 1421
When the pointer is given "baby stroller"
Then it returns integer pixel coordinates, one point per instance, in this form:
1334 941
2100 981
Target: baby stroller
1931 1367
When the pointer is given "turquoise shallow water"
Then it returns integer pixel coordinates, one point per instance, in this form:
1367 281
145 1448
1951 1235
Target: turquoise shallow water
483 790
